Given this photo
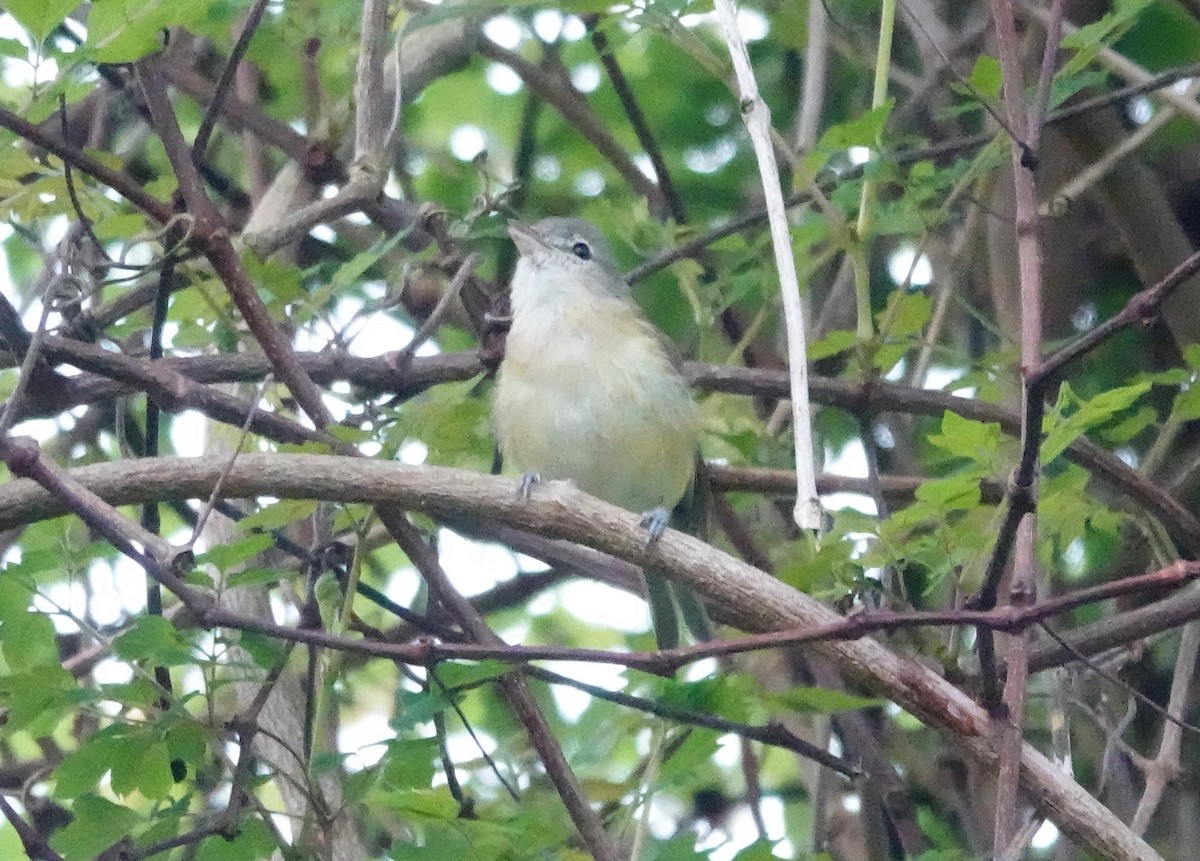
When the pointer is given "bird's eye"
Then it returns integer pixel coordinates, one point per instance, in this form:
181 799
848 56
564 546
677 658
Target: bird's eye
582 251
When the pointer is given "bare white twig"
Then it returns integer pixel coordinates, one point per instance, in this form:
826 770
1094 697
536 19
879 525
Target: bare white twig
757 117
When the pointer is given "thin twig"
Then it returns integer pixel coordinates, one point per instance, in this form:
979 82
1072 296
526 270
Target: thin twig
84 222
558 90
1041 100
1093 173
1134 693
402 358
32 356
637 119
773 734
487 757
220 252
225 81
1165 766
1011 721
514 686
207 508
150 448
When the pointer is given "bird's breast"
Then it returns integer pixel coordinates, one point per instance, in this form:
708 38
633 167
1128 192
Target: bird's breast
587 393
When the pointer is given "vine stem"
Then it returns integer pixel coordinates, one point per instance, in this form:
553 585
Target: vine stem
866 206
757 117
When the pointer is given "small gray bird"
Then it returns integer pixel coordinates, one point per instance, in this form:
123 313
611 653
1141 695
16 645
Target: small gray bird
588 392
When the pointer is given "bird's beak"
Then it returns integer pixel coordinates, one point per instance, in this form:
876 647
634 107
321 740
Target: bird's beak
529 242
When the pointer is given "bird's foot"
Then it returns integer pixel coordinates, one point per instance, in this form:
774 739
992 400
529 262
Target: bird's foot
528 481
655 523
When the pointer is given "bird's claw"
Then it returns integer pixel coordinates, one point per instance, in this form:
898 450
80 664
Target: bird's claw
528 481
655 523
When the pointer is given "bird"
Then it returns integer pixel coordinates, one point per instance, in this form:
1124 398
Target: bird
589 392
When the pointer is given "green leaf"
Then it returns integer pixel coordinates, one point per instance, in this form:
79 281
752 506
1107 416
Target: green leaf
732 695
1088 40
226 556
961 437
29 642
1166 35
97 824
187 741
137 693
81 770
14 48
953 493
422 805
137 765
254 576
277 279
414 708
254 841
1130 426
906 315
1064 88
40 17
1089 414
36 561
822 701
15 596
681 847
10 844
986 78
409 764
886 356
462 674
278 514
790 25
36 699
152 775
1187 403
453 423
350 435
352 271
1191 355
121 31
759 850
154 639
694 754
835 342
265 651
1065 508
443 842
119 226
866 130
